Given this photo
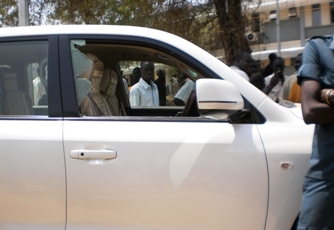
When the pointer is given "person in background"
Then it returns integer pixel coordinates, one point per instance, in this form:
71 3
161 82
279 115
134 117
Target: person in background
315 77
175 84
136 74
161 84
145 92
291 90
242 62
274 82
39 90
269 69
256 77
125 84
257 80
182 96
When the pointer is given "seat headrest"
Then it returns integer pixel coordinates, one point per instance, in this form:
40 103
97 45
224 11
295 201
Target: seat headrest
96 69
10 80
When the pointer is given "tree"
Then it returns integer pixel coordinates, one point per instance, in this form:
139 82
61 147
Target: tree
215 25
232 24
8 13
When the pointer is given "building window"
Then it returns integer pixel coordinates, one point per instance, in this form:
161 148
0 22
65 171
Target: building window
316 15
292 12
256 22
332 11
272 15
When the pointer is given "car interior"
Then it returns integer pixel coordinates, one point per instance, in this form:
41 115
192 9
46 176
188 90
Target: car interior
113 55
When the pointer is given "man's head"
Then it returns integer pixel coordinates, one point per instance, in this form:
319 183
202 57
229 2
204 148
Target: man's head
257 80
279 65
254 66
147 71
272 57
298 61
136 74
161 74
243 60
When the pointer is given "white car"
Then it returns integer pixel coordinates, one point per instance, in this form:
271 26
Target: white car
231 158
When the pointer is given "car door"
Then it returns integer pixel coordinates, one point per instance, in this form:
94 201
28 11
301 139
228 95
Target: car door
32 170
162 172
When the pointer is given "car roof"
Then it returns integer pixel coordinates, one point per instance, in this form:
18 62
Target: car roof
83 29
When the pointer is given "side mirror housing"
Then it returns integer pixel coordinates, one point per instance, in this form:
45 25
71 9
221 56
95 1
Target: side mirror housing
217 98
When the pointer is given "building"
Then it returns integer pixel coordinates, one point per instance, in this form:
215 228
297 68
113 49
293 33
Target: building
298 21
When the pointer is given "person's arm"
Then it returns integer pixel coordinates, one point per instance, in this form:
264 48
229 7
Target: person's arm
314 106
273 82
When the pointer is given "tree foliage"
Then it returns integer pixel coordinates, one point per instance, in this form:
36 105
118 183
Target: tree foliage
215 25
8 13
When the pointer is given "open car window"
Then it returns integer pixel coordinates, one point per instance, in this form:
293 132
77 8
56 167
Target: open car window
114 70
111 82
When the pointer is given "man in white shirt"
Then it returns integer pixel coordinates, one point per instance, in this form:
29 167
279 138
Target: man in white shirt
291 90
145 92
182 96
275 81
242 62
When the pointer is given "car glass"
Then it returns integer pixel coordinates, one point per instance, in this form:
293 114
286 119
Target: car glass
23 82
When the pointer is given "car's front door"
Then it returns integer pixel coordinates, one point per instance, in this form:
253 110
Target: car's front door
163 172
164 175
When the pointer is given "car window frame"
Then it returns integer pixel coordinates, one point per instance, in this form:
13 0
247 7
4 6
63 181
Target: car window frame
67 79
54 99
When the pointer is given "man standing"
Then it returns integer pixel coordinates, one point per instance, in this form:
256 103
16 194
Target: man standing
136 73
182 96
242 62
291 90
269 69
145 92
161 84
275 81
317 99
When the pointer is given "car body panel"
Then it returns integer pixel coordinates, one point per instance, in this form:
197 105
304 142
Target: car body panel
285 191
33 187
173 175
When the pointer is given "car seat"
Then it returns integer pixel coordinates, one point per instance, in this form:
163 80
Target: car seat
17 102
108 88
95 103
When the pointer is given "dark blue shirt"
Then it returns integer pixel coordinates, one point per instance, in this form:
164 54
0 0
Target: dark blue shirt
318 65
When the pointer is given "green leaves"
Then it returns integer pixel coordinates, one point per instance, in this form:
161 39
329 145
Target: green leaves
214 26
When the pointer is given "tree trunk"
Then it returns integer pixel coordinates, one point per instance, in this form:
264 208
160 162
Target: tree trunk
232 25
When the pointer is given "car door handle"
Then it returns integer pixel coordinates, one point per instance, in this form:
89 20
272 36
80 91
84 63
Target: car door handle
105 154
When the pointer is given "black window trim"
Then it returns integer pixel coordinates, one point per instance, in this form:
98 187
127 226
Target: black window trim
54 102
69 98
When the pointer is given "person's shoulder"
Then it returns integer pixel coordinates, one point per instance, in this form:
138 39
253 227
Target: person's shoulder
154 84
323 37
135 86
320 39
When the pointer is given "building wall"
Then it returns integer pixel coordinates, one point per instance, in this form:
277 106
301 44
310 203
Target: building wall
289 30
308 16
325 14
319 30
298 28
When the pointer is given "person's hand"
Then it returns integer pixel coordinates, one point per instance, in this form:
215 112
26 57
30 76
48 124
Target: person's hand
275 79
273 82
327 96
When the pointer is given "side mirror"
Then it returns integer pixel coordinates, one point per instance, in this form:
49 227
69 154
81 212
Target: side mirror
218 98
